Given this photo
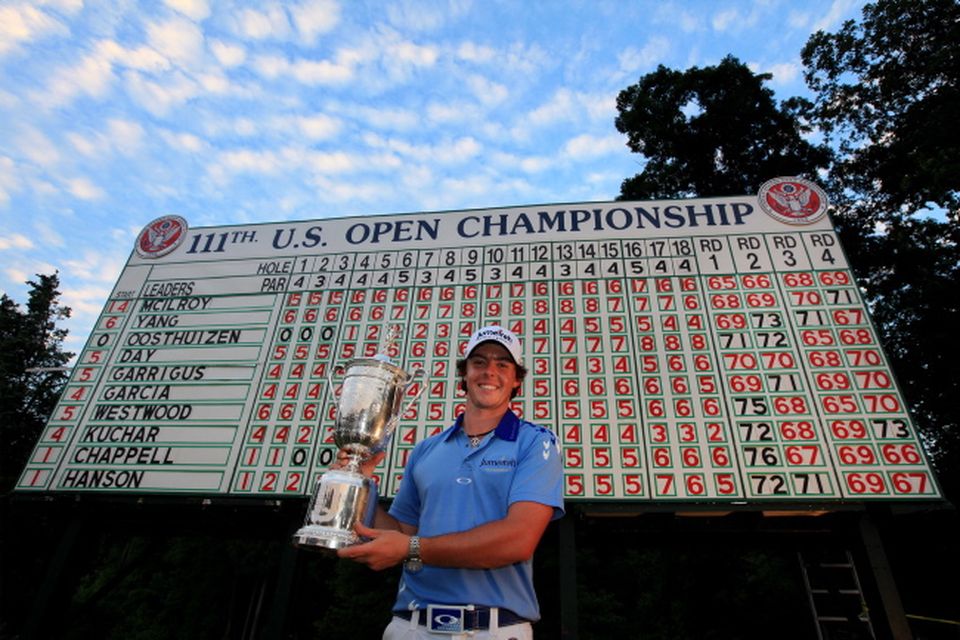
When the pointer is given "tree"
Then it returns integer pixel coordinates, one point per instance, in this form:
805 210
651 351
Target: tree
31 371
710 132
887 94
887 91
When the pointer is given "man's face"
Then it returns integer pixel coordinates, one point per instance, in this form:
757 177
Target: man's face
491 377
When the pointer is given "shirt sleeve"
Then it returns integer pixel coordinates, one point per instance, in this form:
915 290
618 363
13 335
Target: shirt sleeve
539 476
406 504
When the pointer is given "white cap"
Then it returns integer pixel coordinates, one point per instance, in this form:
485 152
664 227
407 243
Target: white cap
497 334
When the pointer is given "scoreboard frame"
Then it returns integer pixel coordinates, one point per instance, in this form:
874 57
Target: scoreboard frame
684 351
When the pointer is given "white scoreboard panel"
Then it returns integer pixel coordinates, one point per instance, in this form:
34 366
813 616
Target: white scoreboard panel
683 351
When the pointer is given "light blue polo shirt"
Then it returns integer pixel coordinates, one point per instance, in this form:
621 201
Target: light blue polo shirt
449 486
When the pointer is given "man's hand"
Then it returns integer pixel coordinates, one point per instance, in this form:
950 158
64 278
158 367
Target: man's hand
366 467
385 549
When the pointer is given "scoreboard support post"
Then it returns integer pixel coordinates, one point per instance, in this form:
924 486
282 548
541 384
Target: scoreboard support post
567 556
876 556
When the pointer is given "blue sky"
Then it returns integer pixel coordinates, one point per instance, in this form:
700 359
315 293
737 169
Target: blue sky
113 113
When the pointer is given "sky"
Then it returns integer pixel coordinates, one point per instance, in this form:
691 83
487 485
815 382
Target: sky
114 113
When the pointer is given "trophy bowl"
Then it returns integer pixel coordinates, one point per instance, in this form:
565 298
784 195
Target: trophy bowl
368 410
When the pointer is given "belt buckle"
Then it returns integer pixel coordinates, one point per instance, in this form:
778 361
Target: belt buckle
444 618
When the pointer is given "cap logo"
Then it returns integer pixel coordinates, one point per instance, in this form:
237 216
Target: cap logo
494 333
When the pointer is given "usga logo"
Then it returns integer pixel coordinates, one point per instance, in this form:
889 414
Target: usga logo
793 200
161 236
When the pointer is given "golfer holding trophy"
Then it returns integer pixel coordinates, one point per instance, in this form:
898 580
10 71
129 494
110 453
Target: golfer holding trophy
472 506
368 410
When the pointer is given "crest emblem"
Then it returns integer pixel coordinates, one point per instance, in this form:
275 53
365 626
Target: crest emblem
793 200
161 237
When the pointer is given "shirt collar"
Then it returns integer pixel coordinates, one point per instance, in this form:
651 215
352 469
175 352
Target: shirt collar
507 429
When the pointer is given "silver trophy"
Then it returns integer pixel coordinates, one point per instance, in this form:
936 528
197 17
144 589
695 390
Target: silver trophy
368 410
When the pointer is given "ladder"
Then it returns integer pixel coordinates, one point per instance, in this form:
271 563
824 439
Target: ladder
836 599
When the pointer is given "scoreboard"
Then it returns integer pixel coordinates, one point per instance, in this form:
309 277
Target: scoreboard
702 350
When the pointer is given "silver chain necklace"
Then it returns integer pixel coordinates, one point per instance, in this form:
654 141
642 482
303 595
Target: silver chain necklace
475 440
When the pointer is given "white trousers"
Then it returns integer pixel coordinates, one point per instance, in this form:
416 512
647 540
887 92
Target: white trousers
400 629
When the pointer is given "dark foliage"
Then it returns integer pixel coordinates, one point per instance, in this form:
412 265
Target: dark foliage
710 132
31 371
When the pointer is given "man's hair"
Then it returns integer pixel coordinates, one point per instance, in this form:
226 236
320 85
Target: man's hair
462 372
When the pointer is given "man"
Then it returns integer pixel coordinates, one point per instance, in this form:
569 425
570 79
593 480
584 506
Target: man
472 507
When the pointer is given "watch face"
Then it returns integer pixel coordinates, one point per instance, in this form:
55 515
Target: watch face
413 565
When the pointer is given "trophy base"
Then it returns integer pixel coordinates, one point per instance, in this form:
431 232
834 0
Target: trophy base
324 539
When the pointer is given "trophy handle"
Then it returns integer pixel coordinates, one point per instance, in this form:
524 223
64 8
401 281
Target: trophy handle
332 396
420 372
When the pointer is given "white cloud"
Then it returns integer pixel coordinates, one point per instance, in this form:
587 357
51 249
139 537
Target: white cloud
459 150
228 54
309 72
315 17
559 107
319 162
177 39
92 76
184 141
159 98
291 159
406 52
472 52
689 22
722 20
8 179
20 23
48 234
271 23
215 83
15 241
313 72
833 16
229 163
587 146
271 66
84 189
511 163
798 19
349 191
414 16
487 91
523 59
447 112
38 148
143 58
86 300
417 177
632 60
194 9
318 126
446 151
126 135
785 73
379 117
26 271
246 127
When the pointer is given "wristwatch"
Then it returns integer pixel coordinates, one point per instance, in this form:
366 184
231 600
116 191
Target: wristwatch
413 563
